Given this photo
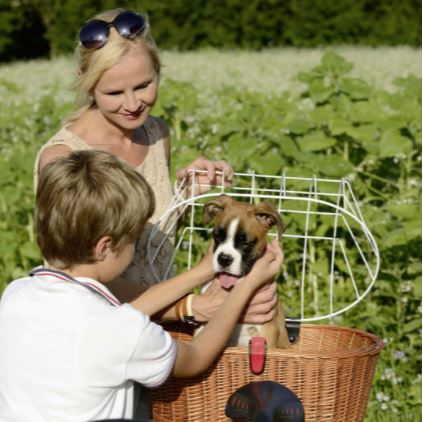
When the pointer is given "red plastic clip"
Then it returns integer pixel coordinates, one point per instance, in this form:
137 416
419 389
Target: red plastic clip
257 354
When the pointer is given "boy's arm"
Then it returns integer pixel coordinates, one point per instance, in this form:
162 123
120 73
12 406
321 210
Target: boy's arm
156 298
195 357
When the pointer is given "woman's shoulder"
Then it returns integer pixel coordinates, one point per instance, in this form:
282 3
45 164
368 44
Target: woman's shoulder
61 144
64 137
63 140
157 128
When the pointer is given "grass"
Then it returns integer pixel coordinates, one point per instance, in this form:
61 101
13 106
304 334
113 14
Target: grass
269 71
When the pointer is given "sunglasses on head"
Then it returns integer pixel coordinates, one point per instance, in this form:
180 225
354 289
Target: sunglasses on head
95 33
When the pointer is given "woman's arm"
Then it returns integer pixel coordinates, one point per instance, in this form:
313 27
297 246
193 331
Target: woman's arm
259 310
195 357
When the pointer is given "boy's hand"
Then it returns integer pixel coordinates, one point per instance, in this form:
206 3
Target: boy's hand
266 268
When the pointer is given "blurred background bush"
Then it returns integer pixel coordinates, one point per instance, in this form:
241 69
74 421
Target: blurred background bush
42 28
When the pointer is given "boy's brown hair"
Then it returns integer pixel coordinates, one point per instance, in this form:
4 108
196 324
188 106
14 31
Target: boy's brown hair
84 197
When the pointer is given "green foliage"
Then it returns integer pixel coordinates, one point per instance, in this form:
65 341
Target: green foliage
23 126
338 127
34 28
21 32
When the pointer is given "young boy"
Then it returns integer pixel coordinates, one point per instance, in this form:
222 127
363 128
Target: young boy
69 350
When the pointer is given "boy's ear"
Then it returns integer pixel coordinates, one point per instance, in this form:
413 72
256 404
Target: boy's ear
102 248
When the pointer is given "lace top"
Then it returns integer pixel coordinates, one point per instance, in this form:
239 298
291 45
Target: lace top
155 169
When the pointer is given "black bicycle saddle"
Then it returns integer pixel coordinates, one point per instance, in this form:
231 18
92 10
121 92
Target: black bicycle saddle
265 401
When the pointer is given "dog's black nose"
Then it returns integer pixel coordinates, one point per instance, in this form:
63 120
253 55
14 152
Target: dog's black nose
224 259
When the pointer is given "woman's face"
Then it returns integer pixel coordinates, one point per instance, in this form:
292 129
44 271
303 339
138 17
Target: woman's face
126 93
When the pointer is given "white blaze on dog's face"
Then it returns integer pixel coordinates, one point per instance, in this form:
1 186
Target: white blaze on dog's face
228 259
239 235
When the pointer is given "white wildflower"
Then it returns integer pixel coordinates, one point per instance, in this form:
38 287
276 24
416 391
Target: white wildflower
389 375
406 286
380 396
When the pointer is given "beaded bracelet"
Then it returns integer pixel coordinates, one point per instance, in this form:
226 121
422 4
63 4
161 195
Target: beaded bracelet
183 310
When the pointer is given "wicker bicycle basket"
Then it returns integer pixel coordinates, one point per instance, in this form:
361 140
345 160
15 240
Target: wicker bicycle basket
330 368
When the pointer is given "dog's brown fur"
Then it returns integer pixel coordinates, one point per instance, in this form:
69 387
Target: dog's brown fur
256 221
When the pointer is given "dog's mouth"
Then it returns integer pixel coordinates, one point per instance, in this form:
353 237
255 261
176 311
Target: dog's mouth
227 280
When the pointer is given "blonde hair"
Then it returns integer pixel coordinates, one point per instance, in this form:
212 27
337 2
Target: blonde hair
92 63
84 197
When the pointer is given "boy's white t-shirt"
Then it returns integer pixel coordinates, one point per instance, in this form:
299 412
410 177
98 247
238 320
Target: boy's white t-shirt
68 353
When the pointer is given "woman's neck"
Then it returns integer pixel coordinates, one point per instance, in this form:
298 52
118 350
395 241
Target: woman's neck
95 129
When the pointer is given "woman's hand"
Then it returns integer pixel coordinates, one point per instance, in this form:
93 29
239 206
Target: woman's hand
261 308
211 173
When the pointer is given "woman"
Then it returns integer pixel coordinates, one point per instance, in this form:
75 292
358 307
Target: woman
117 86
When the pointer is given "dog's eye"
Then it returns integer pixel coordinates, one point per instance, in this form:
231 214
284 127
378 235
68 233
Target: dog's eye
240 237
219 234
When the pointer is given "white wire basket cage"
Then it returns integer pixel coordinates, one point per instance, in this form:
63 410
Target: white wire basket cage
331 257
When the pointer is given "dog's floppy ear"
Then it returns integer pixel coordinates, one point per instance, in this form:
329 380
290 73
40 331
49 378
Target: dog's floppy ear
267 215
215 207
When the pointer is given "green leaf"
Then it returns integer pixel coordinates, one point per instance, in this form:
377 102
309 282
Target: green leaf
365 135
299 126
411 86
401 210
184 157
339 126
414 268
393 144
413 227
315 141
356 89
240 149
394 238
269 163
319 92
305 77
417 287
397 237
30 250
366 112
321 115
334 63
335 166
413 325
287 146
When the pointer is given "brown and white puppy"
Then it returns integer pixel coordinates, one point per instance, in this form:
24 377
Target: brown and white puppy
240 239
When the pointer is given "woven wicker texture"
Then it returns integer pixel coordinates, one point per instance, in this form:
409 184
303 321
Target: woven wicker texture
330 369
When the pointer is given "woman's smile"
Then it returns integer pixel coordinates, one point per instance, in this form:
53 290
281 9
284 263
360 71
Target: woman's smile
133 115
